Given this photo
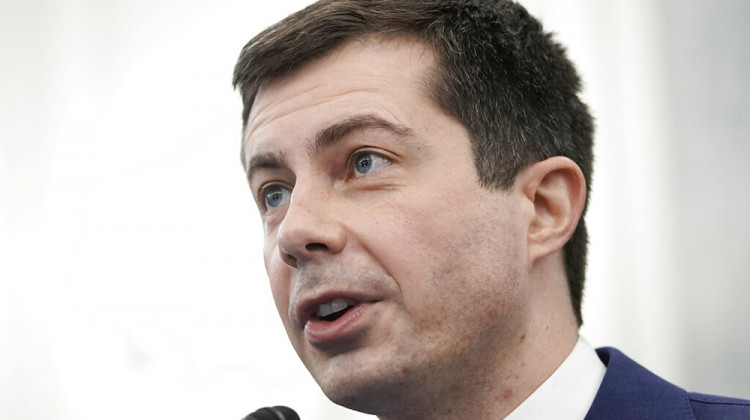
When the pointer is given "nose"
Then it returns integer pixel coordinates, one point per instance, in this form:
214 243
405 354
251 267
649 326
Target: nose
310 229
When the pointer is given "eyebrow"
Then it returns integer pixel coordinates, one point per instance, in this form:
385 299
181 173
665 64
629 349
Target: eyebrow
329 137
264 161
334 133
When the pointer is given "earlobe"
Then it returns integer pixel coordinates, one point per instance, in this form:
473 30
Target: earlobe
557 189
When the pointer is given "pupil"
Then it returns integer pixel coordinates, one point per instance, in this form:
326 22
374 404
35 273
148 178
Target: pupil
273 198
364 163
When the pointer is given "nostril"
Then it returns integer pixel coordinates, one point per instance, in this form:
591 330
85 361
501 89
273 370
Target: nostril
289 260
316 246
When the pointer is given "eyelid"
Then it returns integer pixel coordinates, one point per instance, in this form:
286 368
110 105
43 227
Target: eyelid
264 189
365 151
266 186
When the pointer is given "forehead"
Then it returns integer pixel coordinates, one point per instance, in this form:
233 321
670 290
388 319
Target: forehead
387 78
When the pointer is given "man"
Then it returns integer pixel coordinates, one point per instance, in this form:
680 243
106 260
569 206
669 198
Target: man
422 170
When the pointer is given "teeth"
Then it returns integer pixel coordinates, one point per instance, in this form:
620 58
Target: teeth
336 305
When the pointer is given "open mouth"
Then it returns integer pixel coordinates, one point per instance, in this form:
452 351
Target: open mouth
334 309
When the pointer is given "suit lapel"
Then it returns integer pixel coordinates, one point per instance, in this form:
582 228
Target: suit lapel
630 391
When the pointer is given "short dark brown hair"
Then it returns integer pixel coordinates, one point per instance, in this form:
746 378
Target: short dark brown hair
498 73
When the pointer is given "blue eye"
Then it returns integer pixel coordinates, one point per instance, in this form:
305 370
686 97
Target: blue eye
369 162
276 196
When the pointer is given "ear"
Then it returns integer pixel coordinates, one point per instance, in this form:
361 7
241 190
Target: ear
557 189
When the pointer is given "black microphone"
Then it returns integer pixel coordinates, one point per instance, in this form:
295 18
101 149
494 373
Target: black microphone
273 413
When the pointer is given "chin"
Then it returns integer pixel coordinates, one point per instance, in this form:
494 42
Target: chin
366 388
371 397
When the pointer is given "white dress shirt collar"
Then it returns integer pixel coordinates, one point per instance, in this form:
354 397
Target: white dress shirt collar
569 392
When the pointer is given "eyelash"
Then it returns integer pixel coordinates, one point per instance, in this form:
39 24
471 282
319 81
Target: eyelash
351 169
352 163
265 190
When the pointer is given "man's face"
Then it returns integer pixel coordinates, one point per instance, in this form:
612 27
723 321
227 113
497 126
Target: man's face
390 265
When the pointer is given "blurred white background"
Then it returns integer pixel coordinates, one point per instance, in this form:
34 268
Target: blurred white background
131 278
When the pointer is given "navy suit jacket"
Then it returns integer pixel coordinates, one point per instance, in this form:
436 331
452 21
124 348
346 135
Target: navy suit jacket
630 391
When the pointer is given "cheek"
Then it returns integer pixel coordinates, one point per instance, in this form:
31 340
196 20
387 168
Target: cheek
410 239
447 252
278 275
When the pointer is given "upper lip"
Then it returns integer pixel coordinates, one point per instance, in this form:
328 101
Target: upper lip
305 309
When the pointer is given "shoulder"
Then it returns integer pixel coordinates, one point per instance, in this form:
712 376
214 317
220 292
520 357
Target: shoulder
631 391
712 406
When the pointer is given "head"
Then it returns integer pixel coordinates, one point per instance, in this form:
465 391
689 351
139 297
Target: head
498 73
417 165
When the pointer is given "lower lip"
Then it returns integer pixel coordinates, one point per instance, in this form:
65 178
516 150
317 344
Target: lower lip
319 332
